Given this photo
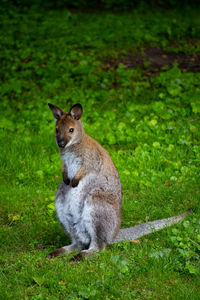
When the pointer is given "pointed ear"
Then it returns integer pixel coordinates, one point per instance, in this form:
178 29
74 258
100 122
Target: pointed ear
76 111
57 112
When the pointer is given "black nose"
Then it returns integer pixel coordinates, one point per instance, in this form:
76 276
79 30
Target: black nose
61 143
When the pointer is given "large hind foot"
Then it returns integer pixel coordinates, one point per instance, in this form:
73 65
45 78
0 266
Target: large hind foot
91 252
57 252
60 251
83 254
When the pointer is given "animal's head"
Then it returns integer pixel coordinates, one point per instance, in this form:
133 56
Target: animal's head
69 129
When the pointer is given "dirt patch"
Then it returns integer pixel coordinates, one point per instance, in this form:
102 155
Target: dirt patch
154 60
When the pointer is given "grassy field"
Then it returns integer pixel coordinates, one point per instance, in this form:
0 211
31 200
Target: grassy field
142 106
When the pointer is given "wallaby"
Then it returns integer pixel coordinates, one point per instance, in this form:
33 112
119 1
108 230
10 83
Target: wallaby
88 200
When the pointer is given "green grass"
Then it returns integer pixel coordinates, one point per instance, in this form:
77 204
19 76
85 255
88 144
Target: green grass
149 125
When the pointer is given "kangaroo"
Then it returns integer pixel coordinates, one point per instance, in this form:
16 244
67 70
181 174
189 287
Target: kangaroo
88 200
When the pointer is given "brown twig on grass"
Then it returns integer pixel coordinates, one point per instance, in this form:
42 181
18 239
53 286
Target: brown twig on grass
193 241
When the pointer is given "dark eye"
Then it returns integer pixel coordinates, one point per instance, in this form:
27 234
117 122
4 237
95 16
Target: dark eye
56 130
71 130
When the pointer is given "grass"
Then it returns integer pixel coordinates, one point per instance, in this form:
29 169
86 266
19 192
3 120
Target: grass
150 126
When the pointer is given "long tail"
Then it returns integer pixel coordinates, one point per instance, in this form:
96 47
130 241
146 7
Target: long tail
137 231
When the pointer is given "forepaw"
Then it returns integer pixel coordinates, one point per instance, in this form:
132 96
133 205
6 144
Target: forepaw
66 181
75 182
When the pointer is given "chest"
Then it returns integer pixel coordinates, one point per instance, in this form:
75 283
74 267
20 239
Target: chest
72 163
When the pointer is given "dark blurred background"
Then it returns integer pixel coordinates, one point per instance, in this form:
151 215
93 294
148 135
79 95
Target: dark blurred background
99 4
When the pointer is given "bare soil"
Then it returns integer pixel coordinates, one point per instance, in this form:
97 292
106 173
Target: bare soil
154 60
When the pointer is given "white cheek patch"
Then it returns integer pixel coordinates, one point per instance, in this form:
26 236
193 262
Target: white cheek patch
71 142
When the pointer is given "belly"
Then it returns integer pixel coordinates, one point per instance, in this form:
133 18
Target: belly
71 207
74 206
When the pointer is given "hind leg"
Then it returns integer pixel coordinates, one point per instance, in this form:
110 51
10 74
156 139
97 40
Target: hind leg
96 243
75 246
65 249
95 246
102 224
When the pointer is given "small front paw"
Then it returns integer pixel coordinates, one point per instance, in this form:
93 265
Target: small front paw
75 182
66 181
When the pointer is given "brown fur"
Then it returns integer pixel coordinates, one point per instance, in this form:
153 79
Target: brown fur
57 252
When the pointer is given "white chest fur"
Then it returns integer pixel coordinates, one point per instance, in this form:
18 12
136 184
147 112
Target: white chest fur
72 163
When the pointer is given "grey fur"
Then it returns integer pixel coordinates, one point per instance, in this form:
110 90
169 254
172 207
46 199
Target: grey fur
138 231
